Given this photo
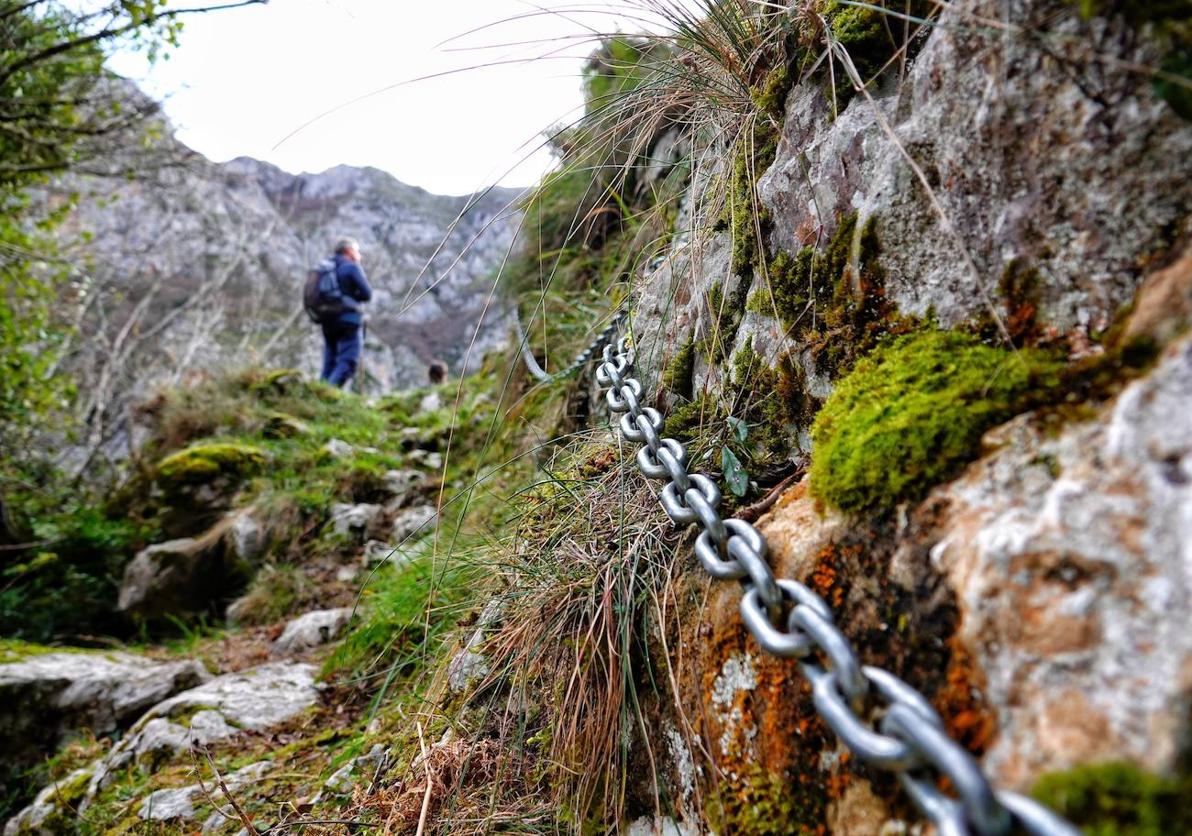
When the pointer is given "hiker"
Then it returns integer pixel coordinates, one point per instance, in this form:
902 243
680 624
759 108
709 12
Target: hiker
335 292
436 373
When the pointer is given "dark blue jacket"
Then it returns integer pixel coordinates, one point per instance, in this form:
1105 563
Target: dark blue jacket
354 285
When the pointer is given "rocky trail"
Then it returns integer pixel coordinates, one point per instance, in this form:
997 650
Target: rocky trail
171 705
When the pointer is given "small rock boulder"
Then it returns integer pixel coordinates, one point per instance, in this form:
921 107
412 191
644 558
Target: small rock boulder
426 459
246 538
401 483
185 575
413 522
338 449
311 630
349 520
45 697
198 485
179 804
281 425
356 772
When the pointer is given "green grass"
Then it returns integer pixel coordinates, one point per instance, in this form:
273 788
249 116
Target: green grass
405 609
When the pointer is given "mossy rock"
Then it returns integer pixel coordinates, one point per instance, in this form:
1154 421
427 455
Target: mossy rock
277 380
204 463
1118 799
281 425
911 414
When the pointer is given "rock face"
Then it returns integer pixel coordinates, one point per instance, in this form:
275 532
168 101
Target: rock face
1050 570
1069 556
199 266
1038 597
45 697
1064 173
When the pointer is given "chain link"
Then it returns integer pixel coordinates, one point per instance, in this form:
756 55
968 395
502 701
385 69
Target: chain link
582 359
909 739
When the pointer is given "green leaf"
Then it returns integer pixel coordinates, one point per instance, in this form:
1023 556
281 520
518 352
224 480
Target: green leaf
740 428
734 473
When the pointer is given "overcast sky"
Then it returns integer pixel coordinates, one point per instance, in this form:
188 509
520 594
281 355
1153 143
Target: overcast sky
242 80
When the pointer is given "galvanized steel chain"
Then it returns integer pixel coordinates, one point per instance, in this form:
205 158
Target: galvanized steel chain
581 359
791 621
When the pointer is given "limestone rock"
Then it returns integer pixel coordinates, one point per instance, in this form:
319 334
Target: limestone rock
42 698
1163 308
349 520
51 810
469 665
179 804
357 771
184 575
1028 165
426 459
247 537
1069 557
311 630
254 699
338 449
431 402
413 522
217 710
401 483
666 826
377 552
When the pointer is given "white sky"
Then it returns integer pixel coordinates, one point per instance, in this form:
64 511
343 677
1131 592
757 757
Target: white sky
242 80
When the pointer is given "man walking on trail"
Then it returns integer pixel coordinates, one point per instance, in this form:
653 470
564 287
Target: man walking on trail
342 337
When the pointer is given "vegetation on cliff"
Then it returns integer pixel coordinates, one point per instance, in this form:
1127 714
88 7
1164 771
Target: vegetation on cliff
526 642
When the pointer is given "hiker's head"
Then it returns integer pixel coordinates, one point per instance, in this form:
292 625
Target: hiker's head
437 372
349 248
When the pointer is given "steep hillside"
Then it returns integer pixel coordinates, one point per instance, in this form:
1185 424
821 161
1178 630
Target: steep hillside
195 267
865 509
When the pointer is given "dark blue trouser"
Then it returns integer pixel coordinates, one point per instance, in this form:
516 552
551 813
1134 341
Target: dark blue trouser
342 345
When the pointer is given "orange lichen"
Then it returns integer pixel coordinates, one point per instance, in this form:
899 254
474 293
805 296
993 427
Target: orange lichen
968 719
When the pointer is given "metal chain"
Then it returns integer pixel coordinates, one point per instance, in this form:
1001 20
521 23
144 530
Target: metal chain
789 620
581 359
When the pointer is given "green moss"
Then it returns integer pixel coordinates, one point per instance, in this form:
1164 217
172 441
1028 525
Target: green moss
727 314
833 299
760 404
770 96
15 650
277 380
1119 799
677 375
912 413
872 37
760 802
685 418
274 593
205 462
743 214
281 425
